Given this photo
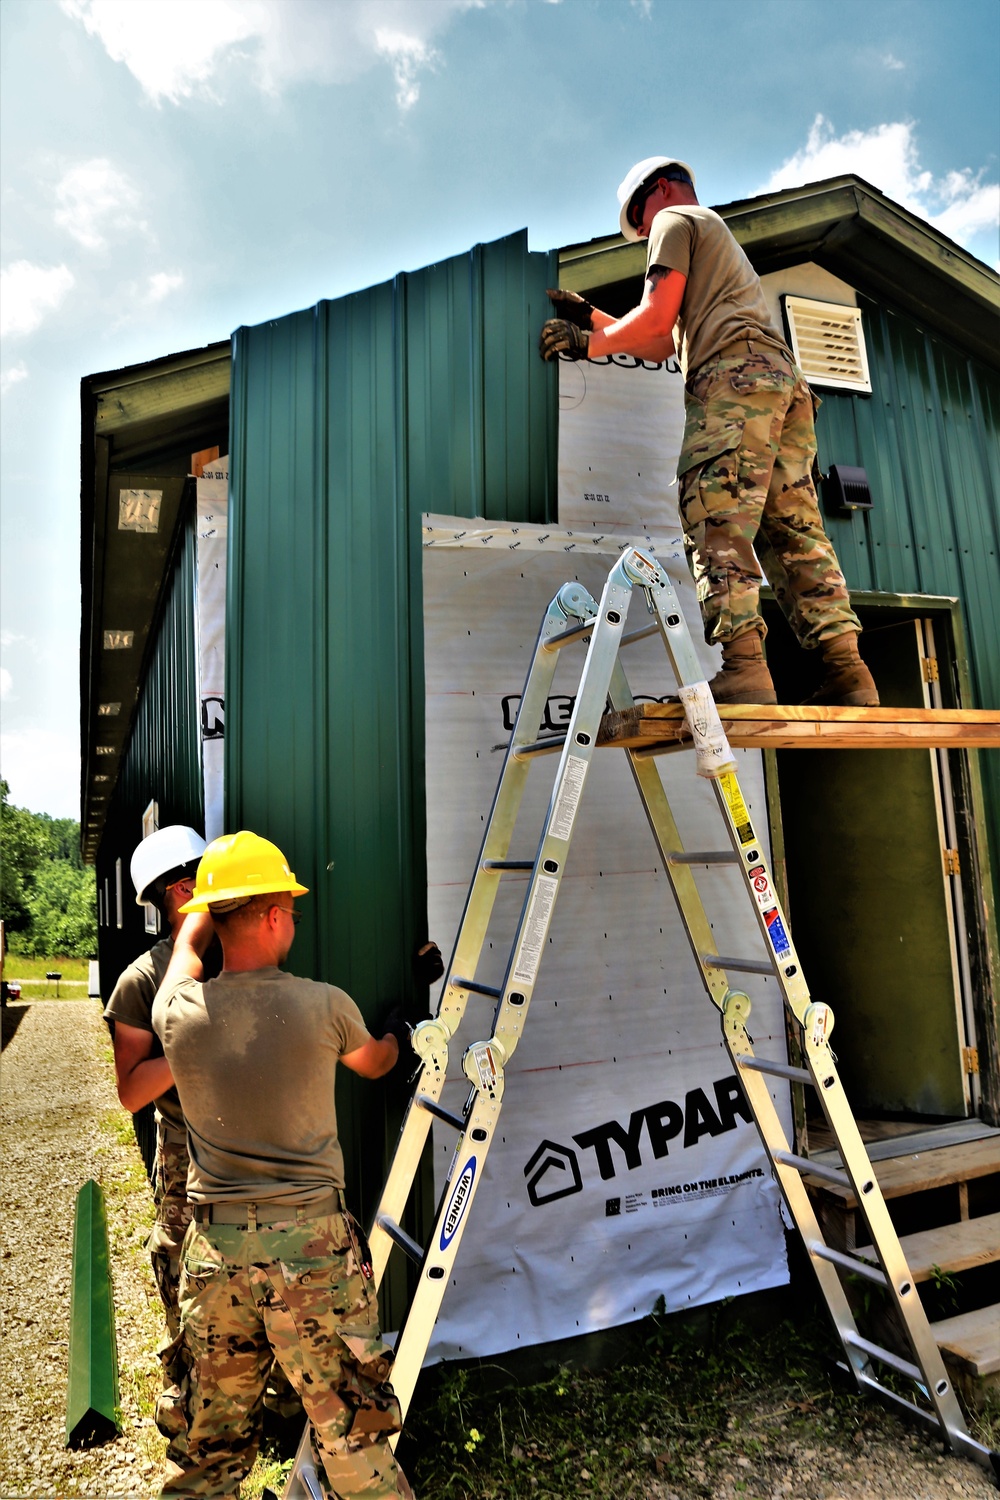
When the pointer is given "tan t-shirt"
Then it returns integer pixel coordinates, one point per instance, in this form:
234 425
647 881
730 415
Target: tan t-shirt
254 1057
132 1003
723 300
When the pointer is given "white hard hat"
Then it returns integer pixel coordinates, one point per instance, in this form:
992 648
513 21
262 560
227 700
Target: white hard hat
634 180
167 849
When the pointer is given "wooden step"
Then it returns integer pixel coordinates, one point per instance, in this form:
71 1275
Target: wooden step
816 727
919 1171
972 1339
950 1247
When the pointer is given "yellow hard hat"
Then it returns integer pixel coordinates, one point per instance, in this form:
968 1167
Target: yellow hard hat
238 866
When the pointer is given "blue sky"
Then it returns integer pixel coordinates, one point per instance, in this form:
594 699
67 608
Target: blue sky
172 169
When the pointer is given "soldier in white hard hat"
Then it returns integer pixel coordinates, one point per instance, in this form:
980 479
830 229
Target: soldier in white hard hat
745 468
163 870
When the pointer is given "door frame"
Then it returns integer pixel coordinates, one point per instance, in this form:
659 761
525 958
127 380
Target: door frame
977 884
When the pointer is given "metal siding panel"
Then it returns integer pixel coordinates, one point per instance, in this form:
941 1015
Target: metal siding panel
839 442
162 759
348 421
929 436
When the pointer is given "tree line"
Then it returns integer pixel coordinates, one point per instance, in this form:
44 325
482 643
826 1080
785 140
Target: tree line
48 901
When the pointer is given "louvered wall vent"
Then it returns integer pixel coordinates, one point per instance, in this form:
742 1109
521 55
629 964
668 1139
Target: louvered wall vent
828 343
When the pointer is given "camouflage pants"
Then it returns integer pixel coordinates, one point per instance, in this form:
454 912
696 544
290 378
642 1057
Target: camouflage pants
173 1215
291 1292
745 483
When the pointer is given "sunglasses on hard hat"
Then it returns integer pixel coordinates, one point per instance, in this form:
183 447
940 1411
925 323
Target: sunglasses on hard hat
637 207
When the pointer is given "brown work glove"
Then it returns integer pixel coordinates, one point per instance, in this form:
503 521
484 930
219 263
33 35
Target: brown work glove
559 337
571 306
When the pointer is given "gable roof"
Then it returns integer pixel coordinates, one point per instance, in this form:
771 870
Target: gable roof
851 229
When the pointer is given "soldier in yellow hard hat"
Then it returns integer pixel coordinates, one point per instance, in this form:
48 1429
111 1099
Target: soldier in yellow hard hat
745 468
274 1267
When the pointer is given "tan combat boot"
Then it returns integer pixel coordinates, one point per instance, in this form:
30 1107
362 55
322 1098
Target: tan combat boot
744 677
847 680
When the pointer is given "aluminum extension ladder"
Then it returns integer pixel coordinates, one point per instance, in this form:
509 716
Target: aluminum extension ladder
574 617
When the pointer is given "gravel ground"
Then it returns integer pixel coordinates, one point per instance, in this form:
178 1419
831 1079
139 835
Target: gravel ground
61 1124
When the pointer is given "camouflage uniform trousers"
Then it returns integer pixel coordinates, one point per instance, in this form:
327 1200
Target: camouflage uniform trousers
173 1215
292 1292
745 483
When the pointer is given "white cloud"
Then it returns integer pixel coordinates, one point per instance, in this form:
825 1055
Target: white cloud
892 63
972 206
12 376
5 683
959 204
408 55
173 50
177 52
163 283
90 195
42 767
28 292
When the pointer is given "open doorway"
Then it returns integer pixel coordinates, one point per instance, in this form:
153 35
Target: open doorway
867 843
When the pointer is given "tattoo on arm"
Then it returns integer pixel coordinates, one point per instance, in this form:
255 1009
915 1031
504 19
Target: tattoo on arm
656 273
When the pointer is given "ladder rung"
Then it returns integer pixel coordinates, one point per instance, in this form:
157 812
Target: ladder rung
780 1070
567 637
477 989
741 965
540 747
703 857
439 1112
311 1482
672 747
508 864
400 1237
928 1414
638 635
817 1169
849 1263
887 1357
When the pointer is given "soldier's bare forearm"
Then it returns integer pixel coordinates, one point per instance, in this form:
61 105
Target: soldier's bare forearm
146 1082
648 330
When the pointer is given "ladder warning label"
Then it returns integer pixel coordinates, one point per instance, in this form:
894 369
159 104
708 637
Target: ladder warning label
761 887
737 807
529 954
568 797
776 932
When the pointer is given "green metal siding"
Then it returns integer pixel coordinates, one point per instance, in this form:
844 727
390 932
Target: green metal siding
162 761
348 421
929 437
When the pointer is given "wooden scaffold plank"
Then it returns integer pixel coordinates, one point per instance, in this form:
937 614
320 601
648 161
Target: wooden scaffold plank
807 727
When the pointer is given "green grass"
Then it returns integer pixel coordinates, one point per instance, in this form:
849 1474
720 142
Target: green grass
17 966
686 1401
40 989
694 1401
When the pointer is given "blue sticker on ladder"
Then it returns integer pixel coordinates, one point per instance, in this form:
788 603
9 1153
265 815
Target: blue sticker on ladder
459 1202
776 932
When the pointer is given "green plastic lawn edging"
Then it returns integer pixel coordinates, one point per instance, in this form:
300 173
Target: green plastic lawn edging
92 1407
